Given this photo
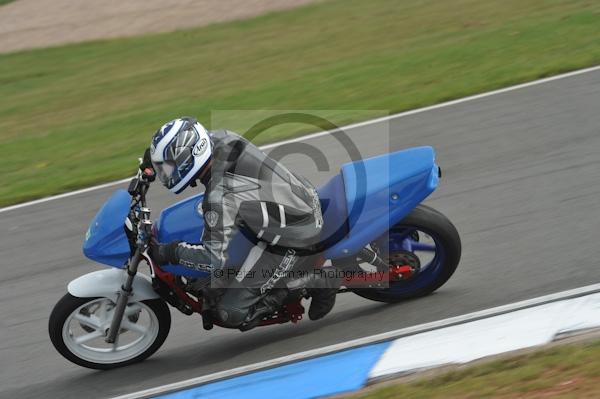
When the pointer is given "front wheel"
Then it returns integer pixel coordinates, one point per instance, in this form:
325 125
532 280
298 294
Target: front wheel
428 242
78 327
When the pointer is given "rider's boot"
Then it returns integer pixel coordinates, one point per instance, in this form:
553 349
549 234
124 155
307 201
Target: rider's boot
323 290
271 303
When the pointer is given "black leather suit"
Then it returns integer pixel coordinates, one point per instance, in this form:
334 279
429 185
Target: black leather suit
247 192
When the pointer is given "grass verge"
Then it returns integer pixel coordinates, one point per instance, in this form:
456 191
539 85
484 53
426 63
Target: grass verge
81 114
566 371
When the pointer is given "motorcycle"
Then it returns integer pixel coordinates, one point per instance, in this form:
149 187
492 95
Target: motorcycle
387 245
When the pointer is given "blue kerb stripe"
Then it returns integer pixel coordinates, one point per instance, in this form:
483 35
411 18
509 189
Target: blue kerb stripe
328 375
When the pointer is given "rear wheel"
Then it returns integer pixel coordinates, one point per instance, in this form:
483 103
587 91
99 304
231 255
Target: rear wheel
425 242
78 327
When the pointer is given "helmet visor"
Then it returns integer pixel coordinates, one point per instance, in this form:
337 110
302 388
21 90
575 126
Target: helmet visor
164 171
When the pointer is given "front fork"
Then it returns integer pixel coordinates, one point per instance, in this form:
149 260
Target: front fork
123 298
144 234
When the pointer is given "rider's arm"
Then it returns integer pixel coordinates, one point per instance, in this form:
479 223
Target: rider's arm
219 230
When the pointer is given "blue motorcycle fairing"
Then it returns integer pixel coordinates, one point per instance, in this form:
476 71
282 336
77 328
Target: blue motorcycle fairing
105 240
181 221
381 191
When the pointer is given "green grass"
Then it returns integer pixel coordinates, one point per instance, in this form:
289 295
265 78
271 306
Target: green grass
569 371
2 2
81 114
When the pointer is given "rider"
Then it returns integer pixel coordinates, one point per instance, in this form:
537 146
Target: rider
245 191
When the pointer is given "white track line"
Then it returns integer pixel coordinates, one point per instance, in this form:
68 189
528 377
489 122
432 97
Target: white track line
387 336
65 195
344 128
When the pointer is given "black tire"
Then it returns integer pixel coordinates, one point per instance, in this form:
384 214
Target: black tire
434 223
69 303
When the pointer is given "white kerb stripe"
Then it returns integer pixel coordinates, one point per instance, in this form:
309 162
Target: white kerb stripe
265 216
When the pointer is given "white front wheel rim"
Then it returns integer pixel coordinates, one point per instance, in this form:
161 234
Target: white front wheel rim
85 329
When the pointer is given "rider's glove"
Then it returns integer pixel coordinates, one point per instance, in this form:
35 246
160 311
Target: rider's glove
164 253
146 166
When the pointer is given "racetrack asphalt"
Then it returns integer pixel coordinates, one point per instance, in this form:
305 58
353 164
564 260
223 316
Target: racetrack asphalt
521 183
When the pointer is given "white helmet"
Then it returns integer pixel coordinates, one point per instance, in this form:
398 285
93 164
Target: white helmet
179 151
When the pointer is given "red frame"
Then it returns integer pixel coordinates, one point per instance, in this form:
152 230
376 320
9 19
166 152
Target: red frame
293 311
